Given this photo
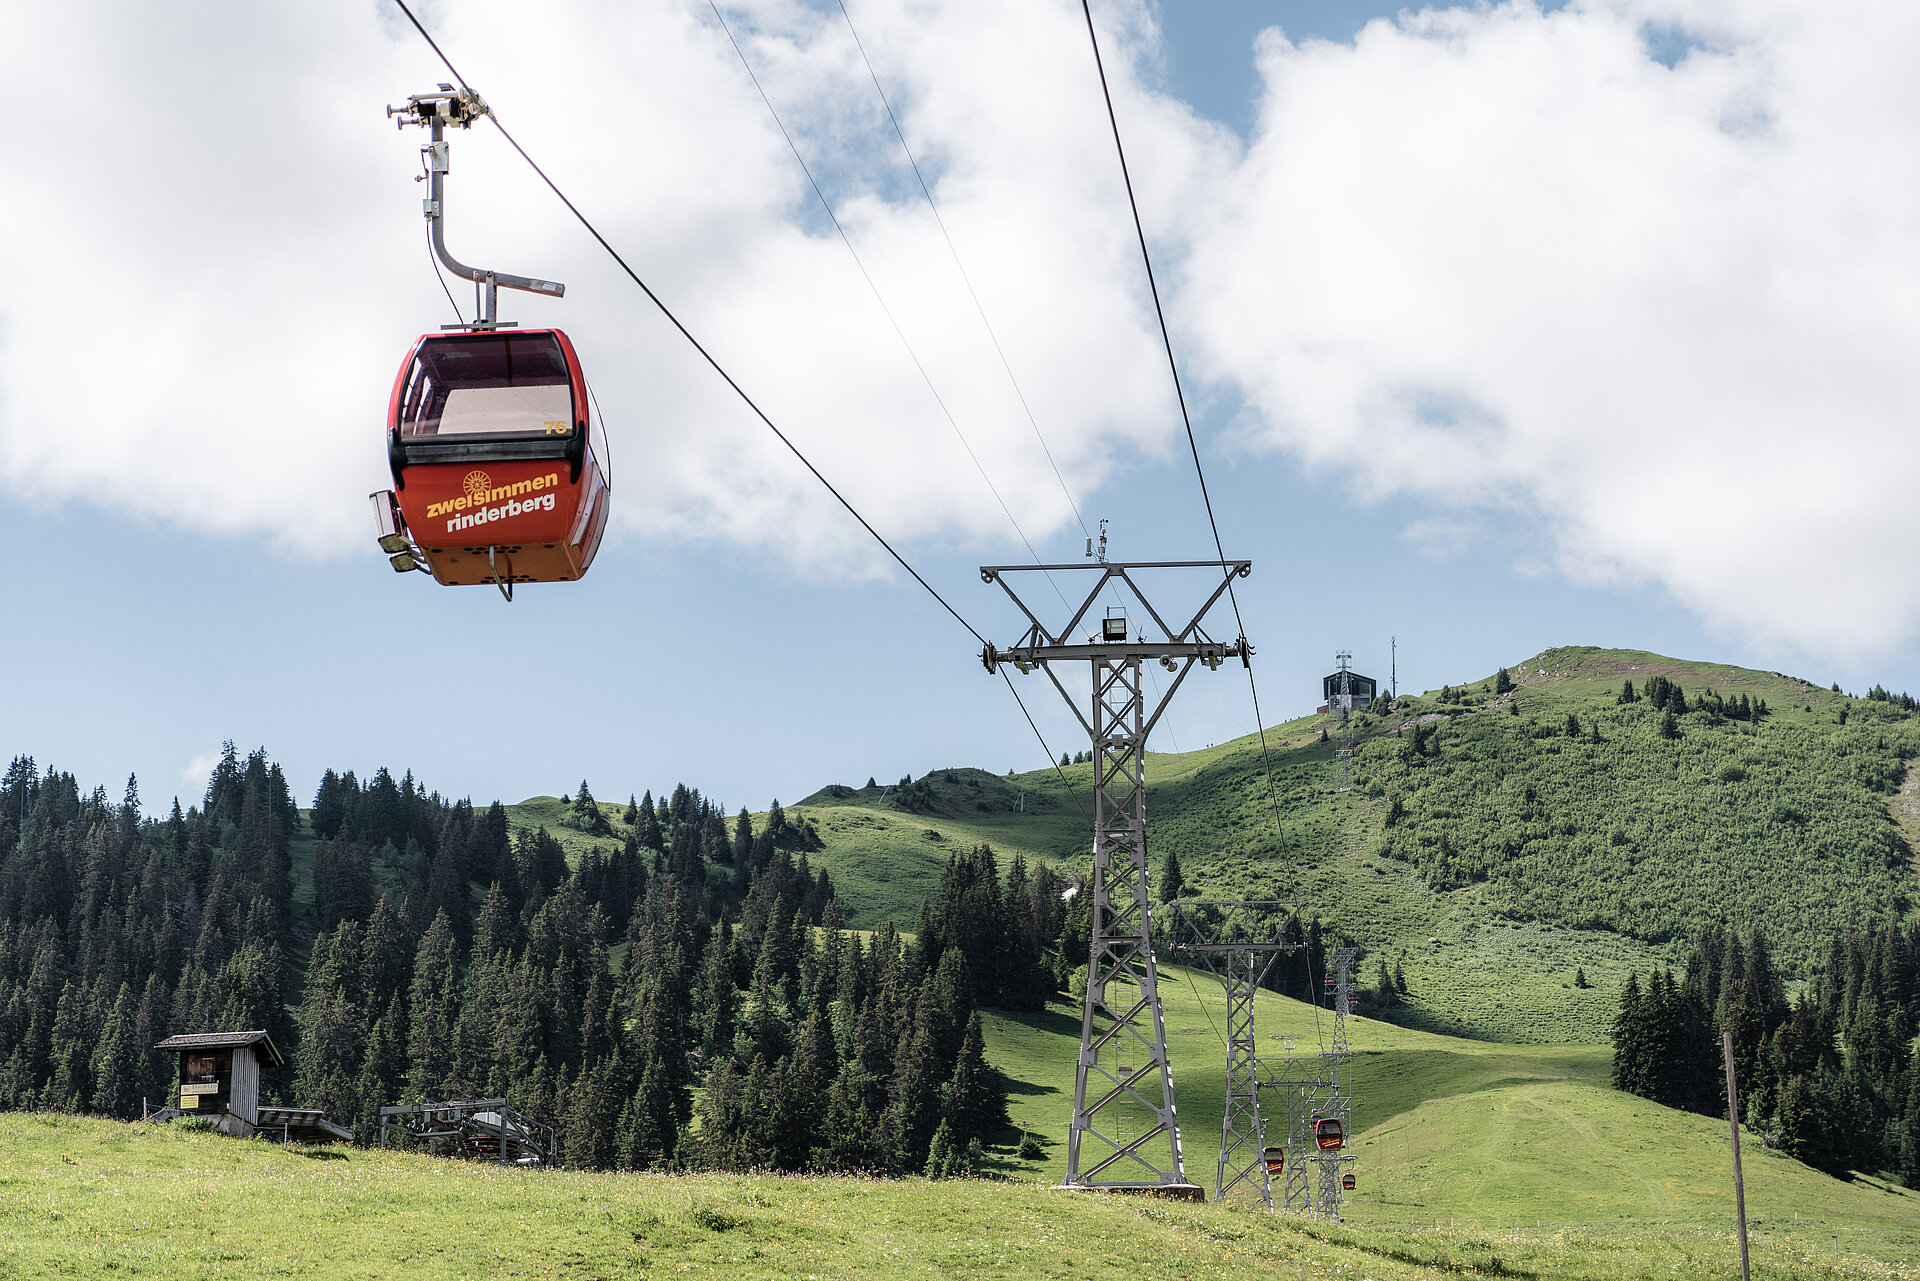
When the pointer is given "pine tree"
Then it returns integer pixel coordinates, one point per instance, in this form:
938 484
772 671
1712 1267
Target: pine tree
116 1061
434 1005
1172 884
1502 682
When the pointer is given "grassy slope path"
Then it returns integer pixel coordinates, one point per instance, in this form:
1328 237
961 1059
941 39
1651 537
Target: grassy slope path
1474 1131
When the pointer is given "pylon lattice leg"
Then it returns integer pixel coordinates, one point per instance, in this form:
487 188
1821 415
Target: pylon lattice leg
1123 1035
1243 1130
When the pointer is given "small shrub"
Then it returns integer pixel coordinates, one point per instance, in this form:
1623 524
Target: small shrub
713 1218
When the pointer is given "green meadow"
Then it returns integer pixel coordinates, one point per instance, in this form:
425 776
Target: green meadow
1474 1158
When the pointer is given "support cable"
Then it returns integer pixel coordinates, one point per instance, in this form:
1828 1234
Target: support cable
737 389
978 306
846 240
674 320
1179 392
1043 745
1203 1008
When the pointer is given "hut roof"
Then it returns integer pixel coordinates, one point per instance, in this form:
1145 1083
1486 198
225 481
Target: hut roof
226 1041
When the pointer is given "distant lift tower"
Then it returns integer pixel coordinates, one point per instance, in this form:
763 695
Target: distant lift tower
1343 702
1238 941
1333 1165
1314 1174
1123 1034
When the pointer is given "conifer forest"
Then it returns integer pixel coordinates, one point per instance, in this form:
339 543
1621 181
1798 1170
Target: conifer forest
696 951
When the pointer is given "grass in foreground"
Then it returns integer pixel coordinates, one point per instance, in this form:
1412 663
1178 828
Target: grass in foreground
96 1198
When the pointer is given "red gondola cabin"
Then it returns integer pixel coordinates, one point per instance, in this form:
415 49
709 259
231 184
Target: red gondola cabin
1346 1183
1330 1133
497 469
1276 1160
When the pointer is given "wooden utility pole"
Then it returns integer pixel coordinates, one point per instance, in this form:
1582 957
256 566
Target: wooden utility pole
1733 1119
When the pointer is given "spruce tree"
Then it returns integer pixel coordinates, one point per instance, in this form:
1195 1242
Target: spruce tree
975 1097
1630 1040
1172 884
433 1002
940 1154
116 1061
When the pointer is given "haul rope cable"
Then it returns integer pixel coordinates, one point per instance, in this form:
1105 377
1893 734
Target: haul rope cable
979 307
868 277
1186 419
728 378
1173 367
994 337
965 278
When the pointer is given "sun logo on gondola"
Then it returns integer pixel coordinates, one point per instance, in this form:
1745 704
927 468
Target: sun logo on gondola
477 484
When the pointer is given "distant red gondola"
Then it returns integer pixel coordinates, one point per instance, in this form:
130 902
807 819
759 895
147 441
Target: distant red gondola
1346 1182
1330 1133
496 466
1276 1160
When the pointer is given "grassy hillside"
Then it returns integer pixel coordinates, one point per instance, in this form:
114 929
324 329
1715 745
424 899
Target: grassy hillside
1504 854
1474 1158
1472 1131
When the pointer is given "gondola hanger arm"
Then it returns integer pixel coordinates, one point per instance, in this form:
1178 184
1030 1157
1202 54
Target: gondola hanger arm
460 108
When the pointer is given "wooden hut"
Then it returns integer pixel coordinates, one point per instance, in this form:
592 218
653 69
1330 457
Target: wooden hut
219 1079
219 1076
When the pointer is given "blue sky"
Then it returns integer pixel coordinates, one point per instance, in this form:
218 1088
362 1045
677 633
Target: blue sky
139 639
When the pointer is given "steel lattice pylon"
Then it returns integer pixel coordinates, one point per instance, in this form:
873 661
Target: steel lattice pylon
1343 702
1238 942
1123 1036
1319 1095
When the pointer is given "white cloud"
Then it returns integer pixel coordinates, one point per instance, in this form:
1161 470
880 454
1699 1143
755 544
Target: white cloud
216 260
1499 258
200 768
1440 538
1490 258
